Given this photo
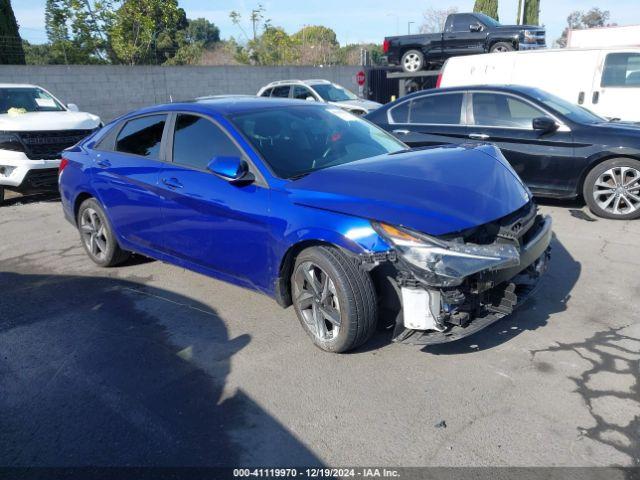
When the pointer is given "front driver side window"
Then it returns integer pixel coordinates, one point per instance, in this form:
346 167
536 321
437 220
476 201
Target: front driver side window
496 110
197 140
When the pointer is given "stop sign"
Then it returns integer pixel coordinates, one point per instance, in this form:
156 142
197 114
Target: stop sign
360 78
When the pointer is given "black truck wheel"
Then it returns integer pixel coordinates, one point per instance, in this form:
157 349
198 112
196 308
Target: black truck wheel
334 299
501 47
412 61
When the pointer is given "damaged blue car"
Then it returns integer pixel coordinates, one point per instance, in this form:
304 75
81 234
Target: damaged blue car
316 208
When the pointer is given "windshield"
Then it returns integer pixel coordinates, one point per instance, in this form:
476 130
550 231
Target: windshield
570 110
27 99
331 92
298 140
487 20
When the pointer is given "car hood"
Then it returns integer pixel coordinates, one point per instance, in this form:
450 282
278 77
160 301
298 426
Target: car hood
436 191
34 121
366 105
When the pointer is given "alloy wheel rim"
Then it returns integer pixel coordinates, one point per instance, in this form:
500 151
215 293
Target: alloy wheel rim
94 233
412 62
317 301
500 49
617 190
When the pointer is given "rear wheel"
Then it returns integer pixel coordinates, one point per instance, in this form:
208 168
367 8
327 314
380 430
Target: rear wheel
412 61
501 47
97 237
612 189
334 299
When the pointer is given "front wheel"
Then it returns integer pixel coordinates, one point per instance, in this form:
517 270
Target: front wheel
98 238
334 299
612 189
412 61
501 47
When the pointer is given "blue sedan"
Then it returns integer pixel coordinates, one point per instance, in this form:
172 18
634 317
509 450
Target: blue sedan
314 207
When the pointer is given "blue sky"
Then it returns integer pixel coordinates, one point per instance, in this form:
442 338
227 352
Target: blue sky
353 20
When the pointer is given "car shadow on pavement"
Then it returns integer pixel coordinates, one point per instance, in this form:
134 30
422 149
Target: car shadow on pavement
18 199
98 371
551 297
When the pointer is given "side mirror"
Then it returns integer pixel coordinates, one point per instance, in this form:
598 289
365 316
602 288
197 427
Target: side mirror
476 27
310 99
233 169
544 124
73 107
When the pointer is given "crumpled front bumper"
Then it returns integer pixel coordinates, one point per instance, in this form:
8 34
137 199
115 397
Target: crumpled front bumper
488 296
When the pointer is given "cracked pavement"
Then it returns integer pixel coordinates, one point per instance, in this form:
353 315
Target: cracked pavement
149 364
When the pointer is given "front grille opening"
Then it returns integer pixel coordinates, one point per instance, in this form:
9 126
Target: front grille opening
48 145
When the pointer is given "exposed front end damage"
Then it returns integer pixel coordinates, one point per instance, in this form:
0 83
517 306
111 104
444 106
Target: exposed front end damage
437 290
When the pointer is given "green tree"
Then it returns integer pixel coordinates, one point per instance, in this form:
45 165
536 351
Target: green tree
78 30
488 7
590 19
203 31
531 12
146 31
273 47
11 51
316 45
37 54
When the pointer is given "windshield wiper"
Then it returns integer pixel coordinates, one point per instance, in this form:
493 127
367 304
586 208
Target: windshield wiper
299 176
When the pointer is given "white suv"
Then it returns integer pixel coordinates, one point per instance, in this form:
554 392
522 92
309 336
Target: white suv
35 127
319 91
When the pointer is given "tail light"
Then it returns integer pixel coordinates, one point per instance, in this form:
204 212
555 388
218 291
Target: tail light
439 80
63 164
385 46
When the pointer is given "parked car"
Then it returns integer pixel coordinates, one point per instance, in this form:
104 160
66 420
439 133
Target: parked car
319 91
464 34
34 129
314 207
559 149
606 81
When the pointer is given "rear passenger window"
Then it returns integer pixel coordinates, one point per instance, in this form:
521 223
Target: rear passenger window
142 136
267 92
197 140
621 70
436 109
281 92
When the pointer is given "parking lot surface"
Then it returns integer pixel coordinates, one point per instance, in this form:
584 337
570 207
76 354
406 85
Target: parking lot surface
149 364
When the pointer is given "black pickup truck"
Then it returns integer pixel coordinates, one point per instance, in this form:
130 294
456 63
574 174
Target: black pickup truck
464 34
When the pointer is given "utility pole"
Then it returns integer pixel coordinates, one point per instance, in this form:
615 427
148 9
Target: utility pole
409 27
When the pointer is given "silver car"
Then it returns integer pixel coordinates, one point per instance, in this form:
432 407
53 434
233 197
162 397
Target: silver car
319 91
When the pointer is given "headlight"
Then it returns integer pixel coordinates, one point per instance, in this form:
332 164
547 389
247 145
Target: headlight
447 263
530 36
10 141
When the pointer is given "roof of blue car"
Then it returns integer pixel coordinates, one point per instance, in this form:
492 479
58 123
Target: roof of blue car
229 105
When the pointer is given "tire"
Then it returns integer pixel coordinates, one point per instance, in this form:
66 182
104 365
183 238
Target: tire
501 47
412 61
97 236
612 189
1 195
345 293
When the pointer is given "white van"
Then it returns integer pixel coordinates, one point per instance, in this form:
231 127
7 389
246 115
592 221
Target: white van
604 80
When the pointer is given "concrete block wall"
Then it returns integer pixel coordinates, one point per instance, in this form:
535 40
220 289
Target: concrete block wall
111 90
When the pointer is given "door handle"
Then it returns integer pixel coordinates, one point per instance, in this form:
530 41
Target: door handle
172 183
401 132
595 97
104 163
479 136
580 98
